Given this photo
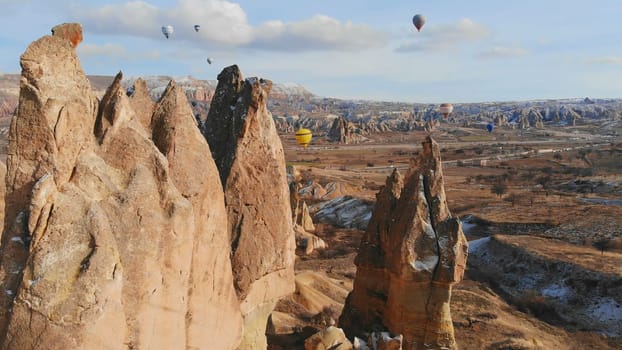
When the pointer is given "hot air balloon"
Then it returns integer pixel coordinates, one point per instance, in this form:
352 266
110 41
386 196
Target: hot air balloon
418 21
490 127
303 137
197 27
446 109
210 60
167 30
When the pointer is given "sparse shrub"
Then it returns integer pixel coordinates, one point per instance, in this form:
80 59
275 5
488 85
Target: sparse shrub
547 170
531 302
499 189
544 181
370 164
587 172
558 156
602 245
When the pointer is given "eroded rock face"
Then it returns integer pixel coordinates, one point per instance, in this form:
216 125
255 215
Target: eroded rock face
71 32
111 240
343 131
249 155
330 338
412 253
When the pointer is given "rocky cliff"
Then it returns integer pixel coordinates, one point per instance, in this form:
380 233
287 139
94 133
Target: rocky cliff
412 252
248 152
116 230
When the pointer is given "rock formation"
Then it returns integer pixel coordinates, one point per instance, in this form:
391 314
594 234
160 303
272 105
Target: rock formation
331 338
343 131
300 209
8 105
2 196
410 256
346 212
378 341
248 152
303 223
69 31
116 231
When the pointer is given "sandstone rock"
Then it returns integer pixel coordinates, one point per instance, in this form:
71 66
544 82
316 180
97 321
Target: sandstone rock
412 253
2 196
307 241
331 338
122 245
304 219
300 210
141 103
313 191
378 341
248 152
346 212
69 31
40 143
8 105
343 131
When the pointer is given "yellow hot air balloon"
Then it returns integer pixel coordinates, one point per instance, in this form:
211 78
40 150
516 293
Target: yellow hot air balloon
303 137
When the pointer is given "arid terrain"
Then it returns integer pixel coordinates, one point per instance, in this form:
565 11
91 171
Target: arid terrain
549 203
540 206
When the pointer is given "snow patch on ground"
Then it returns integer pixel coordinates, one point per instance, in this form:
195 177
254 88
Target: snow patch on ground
556 290
346 211
477 244
428 263
467 227
603 201
606 310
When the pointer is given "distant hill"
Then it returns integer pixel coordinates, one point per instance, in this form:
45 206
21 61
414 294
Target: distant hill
293 106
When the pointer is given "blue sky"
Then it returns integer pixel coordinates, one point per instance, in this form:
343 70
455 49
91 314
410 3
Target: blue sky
468 51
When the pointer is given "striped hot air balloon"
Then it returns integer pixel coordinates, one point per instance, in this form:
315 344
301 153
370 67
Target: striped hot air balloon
303 137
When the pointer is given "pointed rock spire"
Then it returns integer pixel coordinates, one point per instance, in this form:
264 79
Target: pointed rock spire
412 253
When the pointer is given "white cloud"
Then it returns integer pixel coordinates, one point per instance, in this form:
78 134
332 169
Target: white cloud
605 60
225 23
221 21
317 33
446 37
115 51
503 52
136 18
110 50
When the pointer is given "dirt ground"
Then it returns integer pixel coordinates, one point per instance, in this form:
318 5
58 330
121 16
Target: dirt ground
506 184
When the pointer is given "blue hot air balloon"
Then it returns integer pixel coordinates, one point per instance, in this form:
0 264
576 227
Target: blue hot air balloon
490 127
